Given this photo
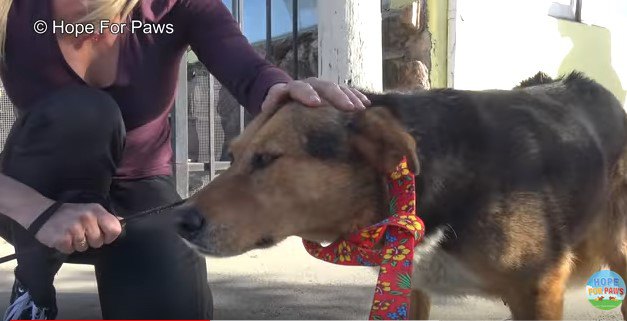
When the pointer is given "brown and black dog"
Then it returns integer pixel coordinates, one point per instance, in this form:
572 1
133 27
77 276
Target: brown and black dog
522 191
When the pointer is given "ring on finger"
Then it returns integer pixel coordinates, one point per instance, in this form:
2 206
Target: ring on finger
83 243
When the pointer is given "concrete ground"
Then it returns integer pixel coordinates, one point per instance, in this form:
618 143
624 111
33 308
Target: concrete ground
284 283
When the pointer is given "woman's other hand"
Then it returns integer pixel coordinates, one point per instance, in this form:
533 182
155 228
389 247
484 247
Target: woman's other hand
312 91
73 227
77 227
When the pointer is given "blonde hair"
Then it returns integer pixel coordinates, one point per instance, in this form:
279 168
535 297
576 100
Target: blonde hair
5 6
97 10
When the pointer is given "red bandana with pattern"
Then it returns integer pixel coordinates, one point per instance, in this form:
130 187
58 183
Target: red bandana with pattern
401 232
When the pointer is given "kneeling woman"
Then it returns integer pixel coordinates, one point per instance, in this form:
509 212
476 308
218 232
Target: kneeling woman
92 142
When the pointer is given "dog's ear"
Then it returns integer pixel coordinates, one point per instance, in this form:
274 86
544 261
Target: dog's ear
378 136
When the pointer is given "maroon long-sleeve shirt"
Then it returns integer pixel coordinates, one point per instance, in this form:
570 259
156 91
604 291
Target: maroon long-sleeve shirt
147 76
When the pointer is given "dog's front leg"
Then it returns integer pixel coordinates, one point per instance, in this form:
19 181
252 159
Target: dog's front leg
420 307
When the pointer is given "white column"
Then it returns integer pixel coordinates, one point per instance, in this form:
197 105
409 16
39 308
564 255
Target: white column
350 43
180 136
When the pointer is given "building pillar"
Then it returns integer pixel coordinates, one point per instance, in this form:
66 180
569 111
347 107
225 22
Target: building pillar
350 43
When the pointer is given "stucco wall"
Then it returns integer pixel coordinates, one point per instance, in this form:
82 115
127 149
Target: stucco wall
501 42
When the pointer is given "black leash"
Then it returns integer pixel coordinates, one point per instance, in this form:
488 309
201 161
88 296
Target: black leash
149 212
123 221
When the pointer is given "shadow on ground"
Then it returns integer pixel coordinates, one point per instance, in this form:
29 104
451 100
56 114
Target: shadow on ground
244 298
234 299
240 299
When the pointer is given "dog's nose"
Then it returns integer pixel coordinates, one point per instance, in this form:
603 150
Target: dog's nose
191 221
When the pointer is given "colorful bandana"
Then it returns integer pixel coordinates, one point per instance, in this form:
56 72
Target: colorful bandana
401 232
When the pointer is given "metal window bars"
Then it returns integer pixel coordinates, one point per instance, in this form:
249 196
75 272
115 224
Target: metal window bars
210 167
7 117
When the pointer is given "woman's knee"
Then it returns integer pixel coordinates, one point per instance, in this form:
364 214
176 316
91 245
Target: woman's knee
71 140
80 112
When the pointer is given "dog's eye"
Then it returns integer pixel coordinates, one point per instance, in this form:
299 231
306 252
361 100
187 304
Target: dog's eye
263 160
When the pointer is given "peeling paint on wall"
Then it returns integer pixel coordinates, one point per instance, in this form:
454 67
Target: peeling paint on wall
437 25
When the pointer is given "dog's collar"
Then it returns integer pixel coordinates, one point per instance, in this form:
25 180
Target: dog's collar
400 233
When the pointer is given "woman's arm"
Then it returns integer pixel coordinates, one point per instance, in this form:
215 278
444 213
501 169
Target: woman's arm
215 37
20 202
74 227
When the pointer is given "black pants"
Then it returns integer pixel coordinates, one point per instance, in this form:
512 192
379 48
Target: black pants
72 141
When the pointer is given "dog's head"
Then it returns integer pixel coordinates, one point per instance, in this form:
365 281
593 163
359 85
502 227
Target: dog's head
317 173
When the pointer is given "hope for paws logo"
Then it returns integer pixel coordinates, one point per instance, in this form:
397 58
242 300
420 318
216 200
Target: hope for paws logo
605 290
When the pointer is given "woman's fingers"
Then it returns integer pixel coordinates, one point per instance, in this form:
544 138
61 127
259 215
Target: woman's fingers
353 98
80 244
79 240
64 244
312 91
299 91
332 93
363 98
304 93
110 226
342 97
93 234
101 227
276 94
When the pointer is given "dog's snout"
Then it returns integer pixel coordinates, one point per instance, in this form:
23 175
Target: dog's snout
191 221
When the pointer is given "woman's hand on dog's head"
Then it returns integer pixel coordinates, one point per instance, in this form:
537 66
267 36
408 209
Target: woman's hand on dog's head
312 91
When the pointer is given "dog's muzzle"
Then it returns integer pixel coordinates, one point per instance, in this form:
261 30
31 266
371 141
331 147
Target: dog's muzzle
189 222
